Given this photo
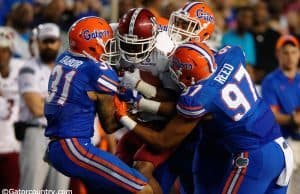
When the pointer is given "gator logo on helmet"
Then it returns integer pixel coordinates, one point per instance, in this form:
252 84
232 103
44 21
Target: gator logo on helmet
87 35
177 64
201 14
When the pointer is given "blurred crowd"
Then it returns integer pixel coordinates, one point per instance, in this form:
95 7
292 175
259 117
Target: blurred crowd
255 25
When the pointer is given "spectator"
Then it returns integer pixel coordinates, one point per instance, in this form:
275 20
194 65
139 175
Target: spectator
33 84
124 6
278 21
21 19
242 37
281 91
55 12
293 19
5 8
9 112
265 40
86 8
225 7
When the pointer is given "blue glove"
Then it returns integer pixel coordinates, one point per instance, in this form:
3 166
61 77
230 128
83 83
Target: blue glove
129 95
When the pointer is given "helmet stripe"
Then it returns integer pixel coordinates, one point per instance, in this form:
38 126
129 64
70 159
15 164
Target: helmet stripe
203 52
189 6
133 19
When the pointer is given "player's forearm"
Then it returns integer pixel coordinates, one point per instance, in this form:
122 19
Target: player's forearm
165 95
169 137
156 139
167 109
106 110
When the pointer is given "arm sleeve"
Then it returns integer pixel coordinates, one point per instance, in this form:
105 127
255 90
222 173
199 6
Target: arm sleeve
28 81
189 106
105 79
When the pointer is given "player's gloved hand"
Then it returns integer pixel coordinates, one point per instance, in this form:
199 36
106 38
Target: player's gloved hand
5 108
129 95
121 108
131 79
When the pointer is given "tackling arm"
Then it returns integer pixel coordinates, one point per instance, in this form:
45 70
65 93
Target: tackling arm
169 137
105 110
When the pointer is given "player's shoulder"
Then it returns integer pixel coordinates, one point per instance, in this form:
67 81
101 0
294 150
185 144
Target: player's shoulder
190 103
71 60
231 51
233 55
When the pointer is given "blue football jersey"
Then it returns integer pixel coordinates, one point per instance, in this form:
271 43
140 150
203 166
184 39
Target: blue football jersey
242 119
69 110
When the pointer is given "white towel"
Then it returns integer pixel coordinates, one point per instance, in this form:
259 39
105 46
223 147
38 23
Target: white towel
285 175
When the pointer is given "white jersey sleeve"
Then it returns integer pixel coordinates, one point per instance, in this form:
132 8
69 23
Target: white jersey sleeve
28 81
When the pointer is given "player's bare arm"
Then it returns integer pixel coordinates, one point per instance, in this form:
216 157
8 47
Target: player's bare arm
105 110
171 136
35 103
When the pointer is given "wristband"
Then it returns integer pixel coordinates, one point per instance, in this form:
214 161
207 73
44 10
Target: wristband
146 89
128 122
149 106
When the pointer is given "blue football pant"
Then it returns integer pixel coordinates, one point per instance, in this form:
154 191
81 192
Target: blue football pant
254 172
102 171
178 165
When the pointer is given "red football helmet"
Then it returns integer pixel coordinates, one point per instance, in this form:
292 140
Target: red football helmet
195 21
93 37
192 62
136 35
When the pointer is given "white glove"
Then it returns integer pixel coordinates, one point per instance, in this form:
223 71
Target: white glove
4 108
130 80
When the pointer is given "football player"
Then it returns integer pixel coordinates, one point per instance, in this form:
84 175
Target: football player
138 49
79 79
220 87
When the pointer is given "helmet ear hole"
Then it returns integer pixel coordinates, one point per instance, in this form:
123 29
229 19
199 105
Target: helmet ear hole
92 49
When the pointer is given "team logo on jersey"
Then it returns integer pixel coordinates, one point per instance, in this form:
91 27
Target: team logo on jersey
201 14
177 64
87 35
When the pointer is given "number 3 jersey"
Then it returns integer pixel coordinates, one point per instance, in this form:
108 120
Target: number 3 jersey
10 105
69 110
241 119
